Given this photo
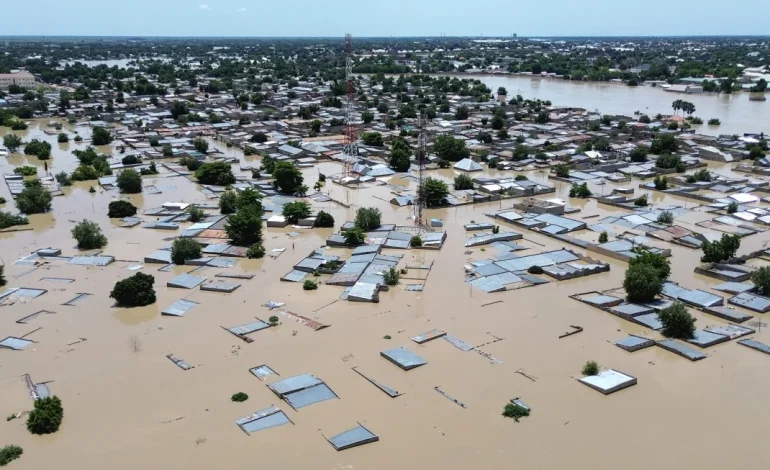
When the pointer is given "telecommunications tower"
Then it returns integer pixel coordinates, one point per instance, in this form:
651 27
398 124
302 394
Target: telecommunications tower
422 158
350 149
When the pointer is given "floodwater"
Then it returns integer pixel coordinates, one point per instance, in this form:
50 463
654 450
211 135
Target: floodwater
126 405
736 112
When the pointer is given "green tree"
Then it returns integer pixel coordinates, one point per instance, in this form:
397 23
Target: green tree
761 279
63 138
227 202
201 145
183 249
120 209
12 142
216 173
434 192
449 148
580 190
101 136
368 218
372 138
603 237
720 250
642 283
39 148
34 199
256 251
462 113
293 211
134 291
391 277
639 154
89 235
3 281
46 417
245 226
9 453
677 321
591 368
562 170
288 178
367 116
666 217
462 182
354 236
732 208
324 219
656 260
196 213
129 181
179 108
664 144
661 183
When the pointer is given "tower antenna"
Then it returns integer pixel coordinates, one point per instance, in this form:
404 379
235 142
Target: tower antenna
350 149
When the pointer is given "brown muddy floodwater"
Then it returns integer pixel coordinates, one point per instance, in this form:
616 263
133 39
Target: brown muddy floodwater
127 406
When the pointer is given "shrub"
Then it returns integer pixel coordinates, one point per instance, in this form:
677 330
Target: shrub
216 173
12 142
463 182
130 160
496 229
245 226
84 173
642 282
134 291
580 190
46 417
102 167
368 218
512 410
639 154
415 241
666 217
309 285
9 453
2 275
665 143
129 181
239 397
714 122
227 202
63 138
520 178
641 201
33 200
196 213
201 145
288 178
443 163
591 368
372 138
191 163
668 161
25 170
732 208
677 321
535 269
63 179
296 210
273 320
88 235
183 249
562 170
78 138
324 219
761 279
120 209
391 277
9 220
150 170
433 192
354 236
696 120
603 237
256 251
2 200
720 250
101 136
39 148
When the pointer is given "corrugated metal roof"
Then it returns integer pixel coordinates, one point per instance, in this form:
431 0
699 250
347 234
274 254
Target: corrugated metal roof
294 384
352 438
310 396
179 308
403 358
17 344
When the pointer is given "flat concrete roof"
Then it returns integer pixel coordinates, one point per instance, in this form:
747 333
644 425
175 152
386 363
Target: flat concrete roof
609 381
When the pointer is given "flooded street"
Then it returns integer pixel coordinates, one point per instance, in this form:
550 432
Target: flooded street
127 406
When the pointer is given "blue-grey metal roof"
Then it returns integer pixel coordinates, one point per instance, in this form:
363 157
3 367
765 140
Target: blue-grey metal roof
756 345
750 301
682 350
295 276
160 256
602 300
363 291
650 320
414 287
458 343
352 438
216 249
185 281
565 222
179 308
634 343
487 284
701 298
294 384
403 358
310 396
221 262
731 331
396 235
262 372
365 249
248 328
489 269
705 339
91 260
263 419
396 244
630 310
17 344
485 239
309 264
734 287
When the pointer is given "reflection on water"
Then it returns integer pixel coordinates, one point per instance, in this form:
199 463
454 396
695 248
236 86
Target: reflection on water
137 315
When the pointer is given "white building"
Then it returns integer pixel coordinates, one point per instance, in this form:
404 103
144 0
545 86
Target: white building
23 79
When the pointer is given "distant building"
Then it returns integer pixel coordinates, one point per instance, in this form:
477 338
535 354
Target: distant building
22 79
640 68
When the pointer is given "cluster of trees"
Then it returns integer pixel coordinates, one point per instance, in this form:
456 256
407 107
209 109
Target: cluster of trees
92 165
721 250
400 153
580 190
685 106
134 291
34 198
215 173
39 148
89 235
244 225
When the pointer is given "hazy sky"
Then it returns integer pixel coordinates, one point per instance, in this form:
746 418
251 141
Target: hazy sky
384 17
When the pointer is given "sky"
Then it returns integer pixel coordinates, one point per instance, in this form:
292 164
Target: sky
385 18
